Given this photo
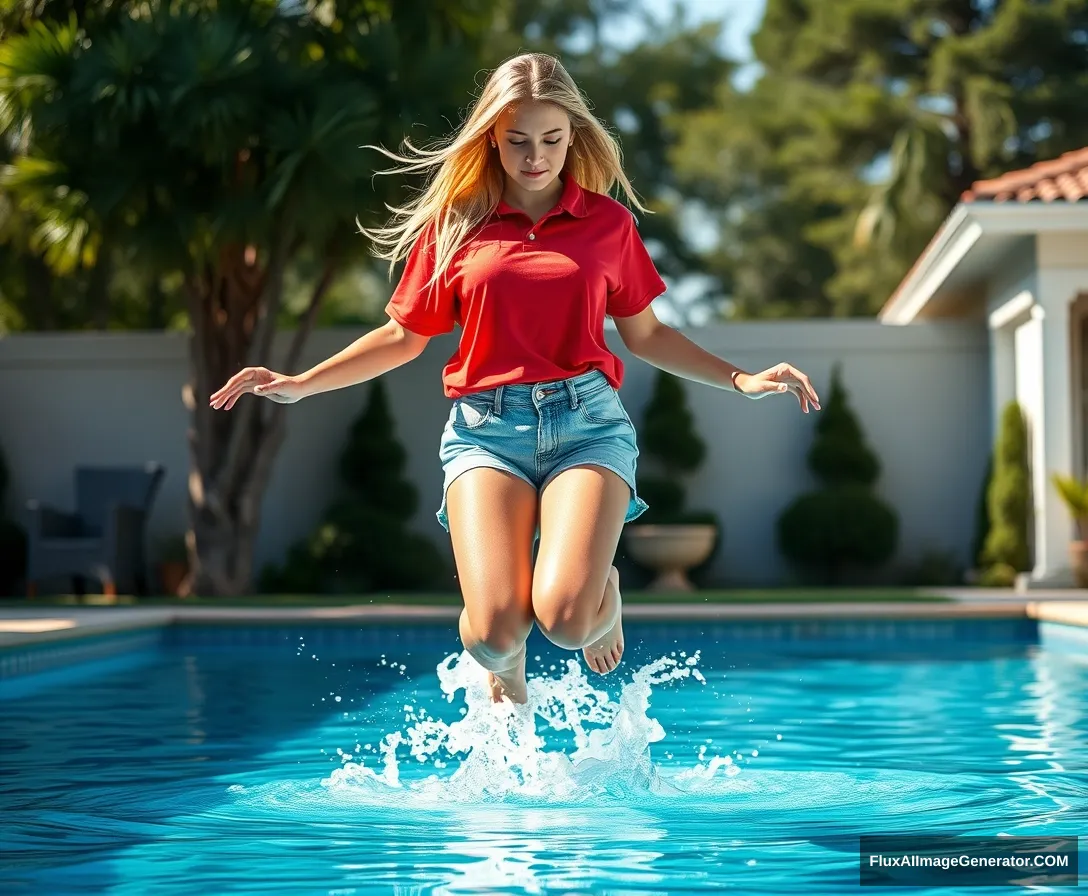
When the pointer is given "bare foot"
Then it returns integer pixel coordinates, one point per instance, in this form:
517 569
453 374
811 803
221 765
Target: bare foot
510 683
604 654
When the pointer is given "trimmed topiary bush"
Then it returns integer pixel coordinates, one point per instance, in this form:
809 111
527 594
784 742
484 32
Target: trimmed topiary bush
364 544
844 524
673 450
1006 550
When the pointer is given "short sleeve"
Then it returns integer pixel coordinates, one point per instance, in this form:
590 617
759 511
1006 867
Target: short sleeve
637 281
417 305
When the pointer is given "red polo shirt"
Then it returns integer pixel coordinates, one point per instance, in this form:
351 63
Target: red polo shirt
531 299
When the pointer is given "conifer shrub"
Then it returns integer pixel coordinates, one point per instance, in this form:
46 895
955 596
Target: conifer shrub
843 525
363 544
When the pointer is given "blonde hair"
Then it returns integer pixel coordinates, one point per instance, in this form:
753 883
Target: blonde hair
466 176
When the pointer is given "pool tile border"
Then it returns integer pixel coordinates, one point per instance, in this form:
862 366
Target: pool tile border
54 654
96 633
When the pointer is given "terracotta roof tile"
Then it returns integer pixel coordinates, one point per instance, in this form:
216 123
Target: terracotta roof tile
1062 179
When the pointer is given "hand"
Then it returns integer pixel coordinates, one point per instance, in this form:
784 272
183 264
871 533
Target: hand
260 381
780 378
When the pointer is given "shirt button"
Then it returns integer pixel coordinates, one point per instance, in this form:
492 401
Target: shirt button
532 236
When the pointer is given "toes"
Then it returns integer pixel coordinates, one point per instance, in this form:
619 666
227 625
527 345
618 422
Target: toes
602 663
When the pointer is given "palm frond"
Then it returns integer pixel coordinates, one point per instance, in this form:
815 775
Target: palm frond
316 149
1074 492
62 214
32 67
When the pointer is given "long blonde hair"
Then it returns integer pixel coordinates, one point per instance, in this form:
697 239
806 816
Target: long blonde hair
466 176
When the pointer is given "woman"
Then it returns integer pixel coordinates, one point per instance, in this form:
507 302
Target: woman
515 240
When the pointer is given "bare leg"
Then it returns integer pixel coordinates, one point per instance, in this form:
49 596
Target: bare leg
603 654
492 518
576 596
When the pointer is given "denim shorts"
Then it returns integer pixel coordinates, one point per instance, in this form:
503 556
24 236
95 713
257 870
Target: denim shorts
536 431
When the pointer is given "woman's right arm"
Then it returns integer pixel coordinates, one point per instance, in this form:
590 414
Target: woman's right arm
373 354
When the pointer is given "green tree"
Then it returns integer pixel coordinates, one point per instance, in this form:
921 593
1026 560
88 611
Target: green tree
843 524
221 143
1006 550
869 120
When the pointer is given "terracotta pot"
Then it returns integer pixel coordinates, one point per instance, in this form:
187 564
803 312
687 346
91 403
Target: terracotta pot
1078 555
172 574
670 550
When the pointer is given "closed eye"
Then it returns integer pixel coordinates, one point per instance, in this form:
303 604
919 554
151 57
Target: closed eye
522 142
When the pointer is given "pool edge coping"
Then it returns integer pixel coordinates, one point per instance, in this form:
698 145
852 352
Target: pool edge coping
88 622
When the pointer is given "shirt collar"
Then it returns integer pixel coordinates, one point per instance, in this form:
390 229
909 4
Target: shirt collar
571 200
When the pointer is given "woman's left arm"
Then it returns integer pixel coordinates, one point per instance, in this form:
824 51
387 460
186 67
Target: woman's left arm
670 350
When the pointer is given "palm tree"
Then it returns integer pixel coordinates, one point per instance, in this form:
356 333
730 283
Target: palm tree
222 142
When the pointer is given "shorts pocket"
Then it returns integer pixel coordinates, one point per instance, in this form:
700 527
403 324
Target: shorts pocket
603 407
469 415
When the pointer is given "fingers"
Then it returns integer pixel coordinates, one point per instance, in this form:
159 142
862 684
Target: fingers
243 381
806 384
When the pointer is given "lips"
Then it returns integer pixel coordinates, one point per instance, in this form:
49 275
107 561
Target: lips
534 173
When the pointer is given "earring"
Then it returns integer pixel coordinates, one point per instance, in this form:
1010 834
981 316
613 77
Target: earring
493 143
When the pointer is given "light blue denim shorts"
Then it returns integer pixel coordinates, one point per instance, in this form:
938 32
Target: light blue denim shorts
536 431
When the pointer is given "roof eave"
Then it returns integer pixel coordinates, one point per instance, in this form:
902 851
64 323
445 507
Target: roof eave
959 234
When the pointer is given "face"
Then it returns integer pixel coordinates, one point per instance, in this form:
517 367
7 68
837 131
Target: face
532 143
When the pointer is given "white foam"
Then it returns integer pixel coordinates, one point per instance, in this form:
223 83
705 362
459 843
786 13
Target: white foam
503 756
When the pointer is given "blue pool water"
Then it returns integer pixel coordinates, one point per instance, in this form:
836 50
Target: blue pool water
308 762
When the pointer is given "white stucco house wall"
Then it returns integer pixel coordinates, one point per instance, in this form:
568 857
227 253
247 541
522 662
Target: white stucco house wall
1014 253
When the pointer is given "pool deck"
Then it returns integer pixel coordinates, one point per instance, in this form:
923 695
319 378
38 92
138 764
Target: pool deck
26 626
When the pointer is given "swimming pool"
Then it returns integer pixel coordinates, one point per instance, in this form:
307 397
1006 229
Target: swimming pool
203 759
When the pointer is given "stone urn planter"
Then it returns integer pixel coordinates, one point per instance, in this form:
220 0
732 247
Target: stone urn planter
671 550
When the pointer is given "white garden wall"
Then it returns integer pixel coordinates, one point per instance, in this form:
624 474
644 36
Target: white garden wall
922 393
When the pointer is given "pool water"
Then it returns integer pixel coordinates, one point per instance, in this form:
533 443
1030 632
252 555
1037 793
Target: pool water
699 765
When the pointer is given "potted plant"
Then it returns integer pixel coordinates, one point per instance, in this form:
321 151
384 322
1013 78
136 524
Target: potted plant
668 538
1074 493
173 565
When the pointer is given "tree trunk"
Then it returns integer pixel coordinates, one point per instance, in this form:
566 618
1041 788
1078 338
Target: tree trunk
224 529
233 310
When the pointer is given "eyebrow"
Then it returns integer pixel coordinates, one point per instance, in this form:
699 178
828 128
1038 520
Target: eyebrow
523 134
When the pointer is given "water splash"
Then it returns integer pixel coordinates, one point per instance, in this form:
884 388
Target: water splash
504 756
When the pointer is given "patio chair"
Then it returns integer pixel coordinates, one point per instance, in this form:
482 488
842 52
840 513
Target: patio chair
104 538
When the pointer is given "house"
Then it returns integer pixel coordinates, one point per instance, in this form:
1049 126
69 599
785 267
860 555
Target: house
1014 254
